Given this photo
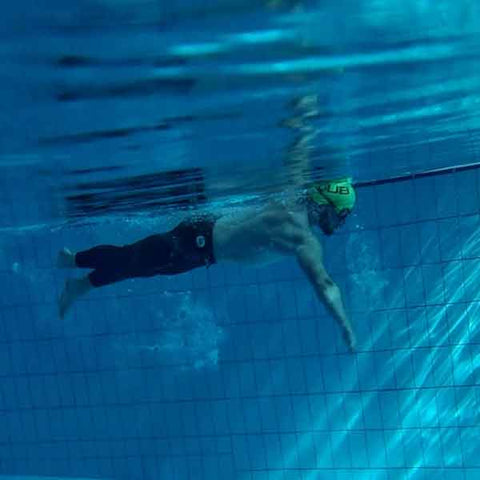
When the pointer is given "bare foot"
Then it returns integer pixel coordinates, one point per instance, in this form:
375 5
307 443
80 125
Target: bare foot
73 289
66 259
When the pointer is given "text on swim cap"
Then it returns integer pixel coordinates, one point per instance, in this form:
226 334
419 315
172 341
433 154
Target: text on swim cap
338 189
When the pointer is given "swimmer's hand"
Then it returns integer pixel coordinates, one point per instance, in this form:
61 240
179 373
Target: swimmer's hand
349 338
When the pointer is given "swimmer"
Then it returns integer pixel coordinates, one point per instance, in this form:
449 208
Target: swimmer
280 228
276 230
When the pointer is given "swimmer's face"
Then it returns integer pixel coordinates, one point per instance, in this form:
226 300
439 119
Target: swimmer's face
327 217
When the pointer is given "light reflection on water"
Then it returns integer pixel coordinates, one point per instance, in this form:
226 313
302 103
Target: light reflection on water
148 88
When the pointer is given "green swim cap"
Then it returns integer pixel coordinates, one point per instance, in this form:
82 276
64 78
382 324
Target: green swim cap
339 193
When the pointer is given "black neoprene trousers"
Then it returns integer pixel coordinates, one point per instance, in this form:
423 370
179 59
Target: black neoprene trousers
189 245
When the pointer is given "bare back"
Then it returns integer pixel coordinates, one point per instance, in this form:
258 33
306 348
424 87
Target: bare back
260 235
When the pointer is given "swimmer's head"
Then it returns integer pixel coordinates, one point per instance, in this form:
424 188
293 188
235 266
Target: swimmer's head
330 203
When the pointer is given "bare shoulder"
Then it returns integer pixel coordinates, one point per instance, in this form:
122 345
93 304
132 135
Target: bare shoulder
289 227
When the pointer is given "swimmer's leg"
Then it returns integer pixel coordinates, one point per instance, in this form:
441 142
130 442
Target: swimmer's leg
102 256
72 290
66 259
110 264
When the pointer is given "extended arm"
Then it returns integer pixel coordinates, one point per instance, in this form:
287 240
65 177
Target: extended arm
310 258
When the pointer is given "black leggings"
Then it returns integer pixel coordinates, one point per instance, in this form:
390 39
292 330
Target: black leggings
189 245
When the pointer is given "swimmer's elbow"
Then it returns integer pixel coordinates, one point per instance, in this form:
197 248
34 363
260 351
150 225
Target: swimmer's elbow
326 285
329 293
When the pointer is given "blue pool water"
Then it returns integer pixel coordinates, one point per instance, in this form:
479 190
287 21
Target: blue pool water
119 118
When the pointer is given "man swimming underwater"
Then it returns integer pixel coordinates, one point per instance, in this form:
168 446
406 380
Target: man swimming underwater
280 228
